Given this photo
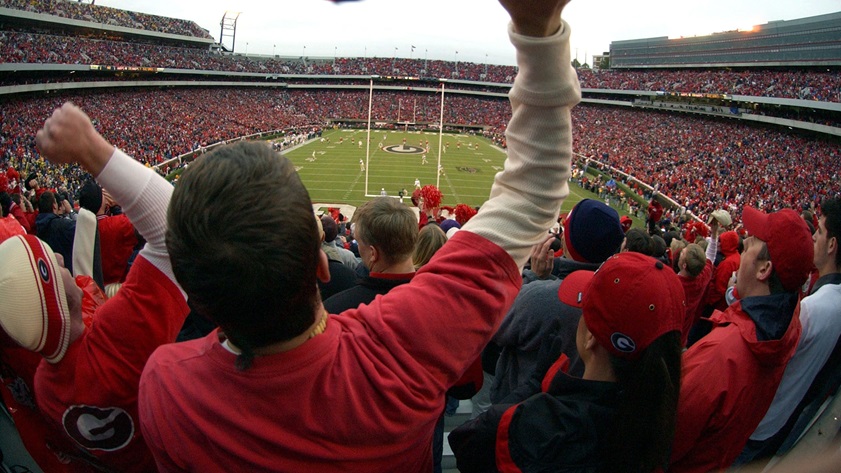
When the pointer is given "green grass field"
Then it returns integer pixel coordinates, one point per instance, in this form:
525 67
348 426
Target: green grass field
335 175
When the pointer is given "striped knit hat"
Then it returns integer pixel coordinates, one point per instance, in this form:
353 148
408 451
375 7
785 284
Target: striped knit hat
34 310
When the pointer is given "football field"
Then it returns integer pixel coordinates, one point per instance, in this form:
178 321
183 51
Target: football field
330 167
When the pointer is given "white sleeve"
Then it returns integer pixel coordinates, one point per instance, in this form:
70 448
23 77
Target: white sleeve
526 196
144 197
712 248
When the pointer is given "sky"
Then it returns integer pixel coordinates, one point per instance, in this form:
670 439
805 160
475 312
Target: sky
459 30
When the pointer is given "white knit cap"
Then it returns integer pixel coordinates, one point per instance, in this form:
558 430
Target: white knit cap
34 311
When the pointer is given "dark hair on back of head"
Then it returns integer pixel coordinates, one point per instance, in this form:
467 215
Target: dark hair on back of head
640 440
658 246
249 267
5 203
638 241
90 196
45 202
831 211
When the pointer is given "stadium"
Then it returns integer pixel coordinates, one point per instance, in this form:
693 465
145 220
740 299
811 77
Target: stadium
699 124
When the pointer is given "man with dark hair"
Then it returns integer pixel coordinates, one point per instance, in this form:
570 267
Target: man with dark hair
637 241
291 388
730 376
57 231
819 349
386 232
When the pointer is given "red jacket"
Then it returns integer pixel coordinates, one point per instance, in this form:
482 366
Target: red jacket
694 290
655 211
117 241
729 381
19 215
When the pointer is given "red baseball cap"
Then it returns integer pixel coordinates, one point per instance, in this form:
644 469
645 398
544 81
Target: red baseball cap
626 223
789 243
628 303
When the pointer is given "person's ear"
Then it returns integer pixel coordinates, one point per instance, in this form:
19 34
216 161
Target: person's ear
375 255
590 342
763 272
322 271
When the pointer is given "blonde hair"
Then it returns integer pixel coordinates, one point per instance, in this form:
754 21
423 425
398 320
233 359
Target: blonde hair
430 239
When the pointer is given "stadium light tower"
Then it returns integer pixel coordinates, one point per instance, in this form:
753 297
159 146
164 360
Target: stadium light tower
229 28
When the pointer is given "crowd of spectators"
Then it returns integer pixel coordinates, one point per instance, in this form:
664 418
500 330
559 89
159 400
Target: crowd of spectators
702 164
110 16
824 85
616 357
710 164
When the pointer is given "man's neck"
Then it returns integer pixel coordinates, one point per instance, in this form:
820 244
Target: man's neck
402 267
827 270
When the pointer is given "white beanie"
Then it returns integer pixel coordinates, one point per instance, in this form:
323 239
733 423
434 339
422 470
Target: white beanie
34 310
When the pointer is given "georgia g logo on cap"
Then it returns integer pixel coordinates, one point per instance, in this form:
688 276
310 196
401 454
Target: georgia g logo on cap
44 270
623 343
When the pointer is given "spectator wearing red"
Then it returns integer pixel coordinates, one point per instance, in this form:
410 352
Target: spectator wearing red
695 270
9 225
86 385
730 376
655 213
382 368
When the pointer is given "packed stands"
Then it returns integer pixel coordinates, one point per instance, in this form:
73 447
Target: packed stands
702 164
798 84
110 16
684 157
709 164
23 47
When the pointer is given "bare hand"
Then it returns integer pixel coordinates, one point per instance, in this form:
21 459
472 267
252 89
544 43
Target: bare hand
537 18
543 258
68 136
714 227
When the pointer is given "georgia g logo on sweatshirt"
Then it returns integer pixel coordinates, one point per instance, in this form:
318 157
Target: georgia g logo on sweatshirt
96 428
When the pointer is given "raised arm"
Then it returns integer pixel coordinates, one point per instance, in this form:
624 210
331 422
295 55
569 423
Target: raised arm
527 195
68 136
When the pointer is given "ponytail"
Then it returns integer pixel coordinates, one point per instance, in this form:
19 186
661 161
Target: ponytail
641 438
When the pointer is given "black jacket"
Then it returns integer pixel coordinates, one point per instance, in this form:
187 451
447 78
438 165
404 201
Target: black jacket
363 293
561 430
59 233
